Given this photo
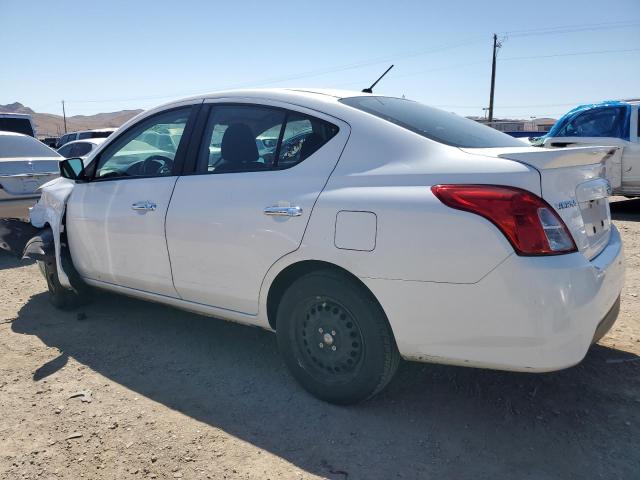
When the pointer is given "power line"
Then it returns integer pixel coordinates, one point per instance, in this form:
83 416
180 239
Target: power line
572 54
560 29
312 73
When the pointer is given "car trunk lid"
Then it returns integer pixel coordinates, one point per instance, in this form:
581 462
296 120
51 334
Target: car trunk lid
22 176
571 181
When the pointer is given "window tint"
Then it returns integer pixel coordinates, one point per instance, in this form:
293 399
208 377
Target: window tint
241 138
302 137
432 123
17 125
99 134
80 149
12 146
65 150
147 150
599 122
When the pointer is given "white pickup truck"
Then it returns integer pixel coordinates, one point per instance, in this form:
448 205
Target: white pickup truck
612 123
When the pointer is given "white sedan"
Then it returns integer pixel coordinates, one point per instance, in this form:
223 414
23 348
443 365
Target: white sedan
376 228
25 164
80 148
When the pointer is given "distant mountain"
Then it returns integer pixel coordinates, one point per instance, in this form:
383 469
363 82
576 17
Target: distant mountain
48 124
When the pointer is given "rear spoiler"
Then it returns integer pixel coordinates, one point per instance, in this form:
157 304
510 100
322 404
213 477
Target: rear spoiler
547 158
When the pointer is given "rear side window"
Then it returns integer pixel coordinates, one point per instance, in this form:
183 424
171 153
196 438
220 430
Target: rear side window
252 138
432 123
302 137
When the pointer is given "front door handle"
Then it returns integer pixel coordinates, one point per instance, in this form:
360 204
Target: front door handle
283 211
145 206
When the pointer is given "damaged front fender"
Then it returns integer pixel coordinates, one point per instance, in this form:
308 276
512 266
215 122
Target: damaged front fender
50 211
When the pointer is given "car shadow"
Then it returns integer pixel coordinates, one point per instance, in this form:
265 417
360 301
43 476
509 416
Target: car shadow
431 420
8 261
626 210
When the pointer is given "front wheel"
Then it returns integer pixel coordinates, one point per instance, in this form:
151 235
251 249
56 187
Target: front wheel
335 338
60 297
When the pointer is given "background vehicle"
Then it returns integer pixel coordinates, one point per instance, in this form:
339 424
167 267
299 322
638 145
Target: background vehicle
18 123
84 134
80 148
25 164
375 228
50 141
611 123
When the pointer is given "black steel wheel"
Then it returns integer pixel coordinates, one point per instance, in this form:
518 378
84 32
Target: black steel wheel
335 338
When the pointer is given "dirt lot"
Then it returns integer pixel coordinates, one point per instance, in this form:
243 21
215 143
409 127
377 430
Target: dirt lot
168 394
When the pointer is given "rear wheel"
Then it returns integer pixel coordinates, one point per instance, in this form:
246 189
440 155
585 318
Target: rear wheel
335 338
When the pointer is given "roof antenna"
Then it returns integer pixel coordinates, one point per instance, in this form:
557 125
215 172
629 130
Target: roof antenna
370 89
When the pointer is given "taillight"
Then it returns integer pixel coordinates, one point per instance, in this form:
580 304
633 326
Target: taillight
528 222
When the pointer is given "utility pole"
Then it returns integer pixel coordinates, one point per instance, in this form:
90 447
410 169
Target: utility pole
64 115
496 46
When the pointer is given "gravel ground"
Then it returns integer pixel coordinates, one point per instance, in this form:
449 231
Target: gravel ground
126 389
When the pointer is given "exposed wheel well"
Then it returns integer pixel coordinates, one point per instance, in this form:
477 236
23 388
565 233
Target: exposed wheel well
290 274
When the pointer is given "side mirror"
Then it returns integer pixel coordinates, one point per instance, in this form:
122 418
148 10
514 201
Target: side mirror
71 168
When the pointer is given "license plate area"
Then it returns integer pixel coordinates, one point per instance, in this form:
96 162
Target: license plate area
596 216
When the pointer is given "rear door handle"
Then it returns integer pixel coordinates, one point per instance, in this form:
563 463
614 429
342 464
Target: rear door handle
283 211
145 206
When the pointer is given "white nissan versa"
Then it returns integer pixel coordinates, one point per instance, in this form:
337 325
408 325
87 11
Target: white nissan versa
360 228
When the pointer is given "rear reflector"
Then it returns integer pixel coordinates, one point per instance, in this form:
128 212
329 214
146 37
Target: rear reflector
529 223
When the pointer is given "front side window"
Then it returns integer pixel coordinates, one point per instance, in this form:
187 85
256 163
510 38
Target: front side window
432 123
146 150
249 138
598 122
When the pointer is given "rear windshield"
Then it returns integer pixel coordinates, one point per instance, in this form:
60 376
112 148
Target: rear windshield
17 125
12 146
438 125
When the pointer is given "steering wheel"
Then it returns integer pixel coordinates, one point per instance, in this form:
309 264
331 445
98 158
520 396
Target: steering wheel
157 165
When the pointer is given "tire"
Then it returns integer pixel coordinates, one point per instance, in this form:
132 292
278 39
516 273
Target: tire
335 338
60 297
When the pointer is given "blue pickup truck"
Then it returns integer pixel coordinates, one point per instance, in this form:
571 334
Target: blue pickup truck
610 123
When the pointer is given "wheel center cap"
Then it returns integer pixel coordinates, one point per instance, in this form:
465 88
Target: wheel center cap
328 339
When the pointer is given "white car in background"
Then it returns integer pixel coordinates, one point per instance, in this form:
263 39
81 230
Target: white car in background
80 148
84 135
376 228
25 164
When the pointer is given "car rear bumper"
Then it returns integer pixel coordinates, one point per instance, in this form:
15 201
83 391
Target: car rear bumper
528 314
17 208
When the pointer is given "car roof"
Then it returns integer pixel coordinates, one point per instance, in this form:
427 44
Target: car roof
13 134
95 141
15 115
324 100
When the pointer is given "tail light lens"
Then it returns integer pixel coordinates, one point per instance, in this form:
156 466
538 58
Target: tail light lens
528 222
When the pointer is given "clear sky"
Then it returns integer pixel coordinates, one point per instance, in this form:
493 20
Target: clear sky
110 55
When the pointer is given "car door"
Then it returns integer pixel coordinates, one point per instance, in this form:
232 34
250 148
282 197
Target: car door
260 169
115 222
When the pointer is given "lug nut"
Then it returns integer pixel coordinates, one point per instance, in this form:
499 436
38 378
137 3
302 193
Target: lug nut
320 330
333 348
333 332
321 345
